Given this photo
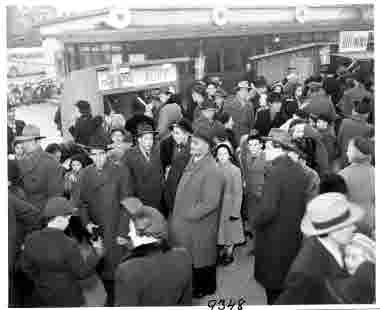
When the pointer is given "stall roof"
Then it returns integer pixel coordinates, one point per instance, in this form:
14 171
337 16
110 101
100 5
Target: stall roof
291 50
196 31
356 55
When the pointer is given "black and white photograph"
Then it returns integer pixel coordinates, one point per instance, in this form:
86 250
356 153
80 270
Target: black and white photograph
189 153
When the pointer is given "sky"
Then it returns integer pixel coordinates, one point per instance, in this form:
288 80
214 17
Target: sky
77 6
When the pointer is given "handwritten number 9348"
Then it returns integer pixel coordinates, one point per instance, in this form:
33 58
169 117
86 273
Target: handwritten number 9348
226 304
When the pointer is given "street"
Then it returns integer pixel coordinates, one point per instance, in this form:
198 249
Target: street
234 282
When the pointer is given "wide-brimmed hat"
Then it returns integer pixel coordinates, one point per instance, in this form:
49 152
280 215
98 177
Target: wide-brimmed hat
58 206
329 212
144 128
30 132
283 138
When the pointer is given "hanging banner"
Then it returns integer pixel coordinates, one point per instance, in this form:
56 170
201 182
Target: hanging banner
136 77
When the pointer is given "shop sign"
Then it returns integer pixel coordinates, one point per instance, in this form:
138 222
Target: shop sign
353 41
136 77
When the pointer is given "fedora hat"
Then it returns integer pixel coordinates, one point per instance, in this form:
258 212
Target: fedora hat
243 84
283 138
183 124
144 128
329 212
30 132
96 145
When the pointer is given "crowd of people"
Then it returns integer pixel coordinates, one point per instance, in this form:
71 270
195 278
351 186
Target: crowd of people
140 212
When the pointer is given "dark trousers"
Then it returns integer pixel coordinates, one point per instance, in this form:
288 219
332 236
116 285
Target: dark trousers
204 279
272 295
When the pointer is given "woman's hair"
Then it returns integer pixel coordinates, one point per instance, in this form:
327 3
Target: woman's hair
333 183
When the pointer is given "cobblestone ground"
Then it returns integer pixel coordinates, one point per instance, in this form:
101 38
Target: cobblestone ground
237 281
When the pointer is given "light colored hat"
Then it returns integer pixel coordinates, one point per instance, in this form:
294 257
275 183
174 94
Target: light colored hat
30 132
329 212
243 84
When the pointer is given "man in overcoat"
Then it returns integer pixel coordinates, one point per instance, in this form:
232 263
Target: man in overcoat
144 164
241 109
102 187
329 224
195 219
277 218
83 127
42 176
175 154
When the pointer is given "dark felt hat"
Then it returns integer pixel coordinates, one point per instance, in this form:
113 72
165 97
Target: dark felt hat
132 124
183 124
96 145
83 106
144 128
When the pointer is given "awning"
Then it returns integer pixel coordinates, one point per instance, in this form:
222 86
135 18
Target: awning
356 55
291 50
